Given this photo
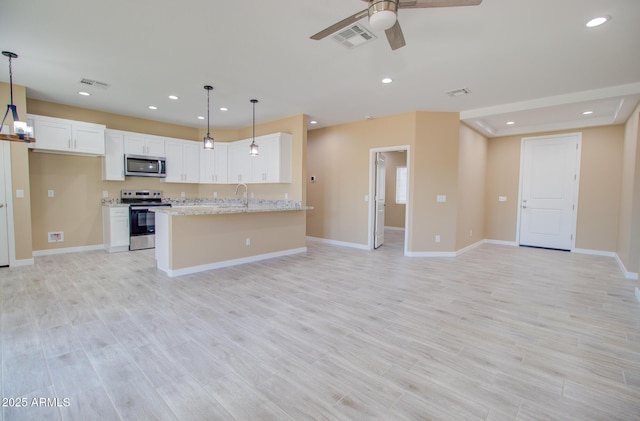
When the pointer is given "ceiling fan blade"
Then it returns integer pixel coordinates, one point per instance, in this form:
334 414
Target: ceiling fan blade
395 36
419 4
340 25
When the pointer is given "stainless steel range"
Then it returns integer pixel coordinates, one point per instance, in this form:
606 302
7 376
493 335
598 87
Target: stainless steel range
142 222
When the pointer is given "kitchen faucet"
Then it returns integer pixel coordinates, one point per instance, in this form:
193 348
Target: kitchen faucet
246 194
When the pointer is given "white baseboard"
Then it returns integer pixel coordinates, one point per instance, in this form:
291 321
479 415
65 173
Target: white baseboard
394 228
628 275
234 262
339 243
594 252
638 293
501 242
49 252
21 262
469 247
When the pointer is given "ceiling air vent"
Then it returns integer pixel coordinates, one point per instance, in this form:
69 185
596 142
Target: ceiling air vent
95 83
459 92
354 36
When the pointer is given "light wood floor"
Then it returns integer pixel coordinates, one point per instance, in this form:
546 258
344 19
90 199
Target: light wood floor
336 333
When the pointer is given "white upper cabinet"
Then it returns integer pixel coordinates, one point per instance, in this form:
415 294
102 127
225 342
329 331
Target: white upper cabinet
144 145
113 160
67 136
239 162
272 165
183 161
213 164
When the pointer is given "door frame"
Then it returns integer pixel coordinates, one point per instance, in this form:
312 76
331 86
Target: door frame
576 188
372 192
6 149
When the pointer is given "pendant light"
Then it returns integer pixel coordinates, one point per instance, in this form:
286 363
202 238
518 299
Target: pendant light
253 148
19 127
208 140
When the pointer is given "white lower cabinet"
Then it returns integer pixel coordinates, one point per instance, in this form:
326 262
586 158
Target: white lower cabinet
213 164
183 161
115 228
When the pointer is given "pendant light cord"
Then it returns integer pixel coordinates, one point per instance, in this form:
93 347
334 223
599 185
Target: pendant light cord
208 113
10 81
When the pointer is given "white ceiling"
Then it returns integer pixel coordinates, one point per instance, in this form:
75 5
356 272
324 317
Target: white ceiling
532 62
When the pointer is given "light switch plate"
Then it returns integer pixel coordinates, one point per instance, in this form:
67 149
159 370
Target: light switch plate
502 198
20 193
50 193
105 193
441 198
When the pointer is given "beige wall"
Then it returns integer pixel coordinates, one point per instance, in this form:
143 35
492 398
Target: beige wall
628 244
19 174
394 213
339 158
472 170
434 171
599 194
77 180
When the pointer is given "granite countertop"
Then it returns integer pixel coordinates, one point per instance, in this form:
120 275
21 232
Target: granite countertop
203 209
203 206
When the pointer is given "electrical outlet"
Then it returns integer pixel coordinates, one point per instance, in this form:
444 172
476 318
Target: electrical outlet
105 193
182 194
437 238
19 193
470 233
502 198
247 241
252 195
215 194
50 193
286 196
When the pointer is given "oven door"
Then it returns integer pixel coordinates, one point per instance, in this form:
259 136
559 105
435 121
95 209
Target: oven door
141 221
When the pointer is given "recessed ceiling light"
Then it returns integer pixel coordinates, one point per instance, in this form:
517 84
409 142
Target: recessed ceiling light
224 109
83 93
200 117
510 123
587 112
313 122
174 97
597 21
153 107
387 80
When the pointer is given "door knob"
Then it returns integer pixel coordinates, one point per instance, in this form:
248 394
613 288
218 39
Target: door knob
524 206
1 205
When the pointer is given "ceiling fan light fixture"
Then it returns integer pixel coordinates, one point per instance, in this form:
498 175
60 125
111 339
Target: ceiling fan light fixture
383 14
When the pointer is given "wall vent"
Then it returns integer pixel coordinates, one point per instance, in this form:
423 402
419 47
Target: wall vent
95 83
459 92
354 36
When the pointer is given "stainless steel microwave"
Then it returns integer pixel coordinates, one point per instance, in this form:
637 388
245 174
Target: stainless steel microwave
145 166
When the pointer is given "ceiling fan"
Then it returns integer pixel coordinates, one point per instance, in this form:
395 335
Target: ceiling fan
383 15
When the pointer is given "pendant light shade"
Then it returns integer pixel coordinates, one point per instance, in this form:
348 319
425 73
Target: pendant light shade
208 140
253 148
20 128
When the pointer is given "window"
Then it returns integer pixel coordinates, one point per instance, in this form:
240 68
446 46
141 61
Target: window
401 185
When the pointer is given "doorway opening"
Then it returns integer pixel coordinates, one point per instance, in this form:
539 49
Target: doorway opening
389 198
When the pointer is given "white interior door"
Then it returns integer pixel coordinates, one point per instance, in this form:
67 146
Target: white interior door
548 191
379 199
4 227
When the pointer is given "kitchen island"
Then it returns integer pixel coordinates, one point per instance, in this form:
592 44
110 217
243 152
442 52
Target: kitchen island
201 237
